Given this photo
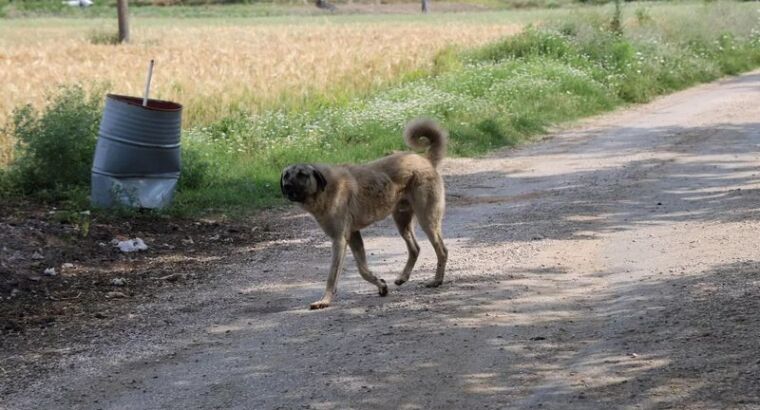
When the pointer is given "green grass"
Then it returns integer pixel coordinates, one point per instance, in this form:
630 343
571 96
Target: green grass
54 147
498 95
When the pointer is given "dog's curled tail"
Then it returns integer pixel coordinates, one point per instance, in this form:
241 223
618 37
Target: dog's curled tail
424 133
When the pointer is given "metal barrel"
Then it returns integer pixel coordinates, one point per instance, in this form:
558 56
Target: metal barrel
137 157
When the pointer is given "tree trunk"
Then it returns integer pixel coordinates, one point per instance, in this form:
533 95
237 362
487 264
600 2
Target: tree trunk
121 6
424 6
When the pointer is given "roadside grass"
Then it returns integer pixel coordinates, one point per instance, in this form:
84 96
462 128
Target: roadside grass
217 68
496 95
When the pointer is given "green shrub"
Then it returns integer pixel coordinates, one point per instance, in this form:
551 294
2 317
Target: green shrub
6 185
195 168
531 43
55 146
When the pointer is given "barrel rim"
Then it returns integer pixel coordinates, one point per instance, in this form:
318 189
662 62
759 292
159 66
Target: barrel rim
153 105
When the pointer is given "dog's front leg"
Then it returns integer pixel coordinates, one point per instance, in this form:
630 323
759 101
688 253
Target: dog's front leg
338 255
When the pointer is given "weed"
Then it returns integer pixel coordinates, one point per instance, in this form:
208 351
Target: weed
55 147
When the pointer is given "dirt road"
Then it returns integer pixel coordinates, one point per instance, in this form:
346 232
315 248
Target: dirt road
613 265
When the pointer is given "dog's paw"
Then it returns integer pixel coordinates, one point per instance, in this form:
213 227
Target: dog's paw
399 281
383 290
320 304
433 283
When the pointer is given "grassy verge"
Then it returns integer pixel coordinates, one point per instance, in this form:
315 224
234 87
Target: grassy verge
218 66
493 96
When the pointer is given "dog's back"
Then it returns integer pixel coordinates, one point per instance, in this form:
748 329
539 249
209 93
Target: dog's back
402 167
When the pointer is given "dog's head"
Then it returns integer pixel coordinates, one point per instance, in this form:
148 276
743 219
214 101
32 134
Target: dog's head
301 181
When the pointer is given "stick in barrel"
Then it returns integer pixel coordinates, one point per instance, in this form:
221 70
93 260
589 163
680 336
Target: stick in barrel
147 84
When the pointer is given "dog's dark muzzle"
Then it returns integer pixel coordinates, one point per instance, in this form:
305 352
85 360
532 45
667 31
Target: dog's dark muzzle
292 193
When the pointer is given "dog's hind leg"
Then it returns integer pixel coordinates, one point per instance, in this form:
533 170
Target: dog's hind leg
430 222
338 256
433 231
405 223
357 247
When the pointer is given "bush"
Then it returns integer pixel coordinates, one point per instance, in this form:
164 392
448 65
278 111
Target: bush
531 43
195 168
55 146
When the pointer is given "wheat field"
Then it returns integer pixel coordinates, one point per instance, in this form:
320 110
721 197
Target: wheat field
217 67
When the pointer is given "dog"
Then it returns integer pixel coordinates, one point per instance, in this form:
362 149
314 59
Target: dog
345 199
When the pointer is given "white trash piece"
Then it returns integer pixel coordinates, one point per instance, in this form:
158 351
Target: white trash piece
130 245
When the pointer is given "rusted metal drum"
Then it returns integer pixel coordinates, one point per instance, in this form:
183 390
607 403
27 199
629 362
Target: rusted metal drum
137 157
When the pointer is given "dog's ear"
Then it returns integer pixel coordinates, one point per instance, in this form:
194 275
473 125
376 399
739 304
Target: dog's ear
320 177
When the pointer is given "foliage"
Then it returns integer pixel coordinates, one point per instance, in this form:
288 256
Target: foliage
55 146
496 95
492 96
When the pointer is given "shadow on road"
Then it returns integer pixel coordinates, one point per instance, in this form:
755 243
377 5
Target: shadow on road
670 183
691 342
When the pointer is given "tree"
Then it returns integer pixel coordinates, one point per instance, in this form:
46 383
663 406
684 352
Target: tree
424 6
121 6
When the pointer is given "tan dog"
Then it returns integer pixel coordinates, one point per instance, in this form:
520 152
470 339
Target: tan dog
347 198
